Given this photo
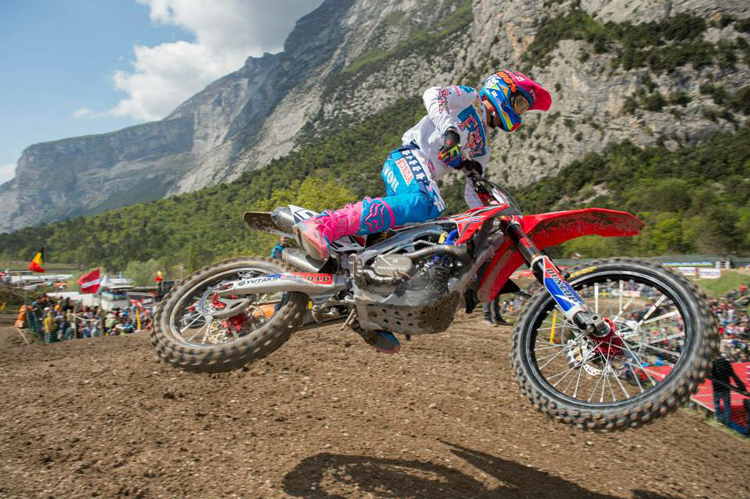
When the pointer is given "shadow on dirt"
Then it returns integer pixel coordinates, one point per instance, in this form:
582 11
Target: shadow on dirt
329 475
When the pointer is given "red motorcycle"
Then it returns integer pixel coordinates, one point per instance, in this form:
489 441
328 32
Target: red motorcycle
584 349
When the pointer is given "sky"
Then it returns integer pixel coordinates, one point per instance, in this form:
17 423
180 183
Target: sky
80 67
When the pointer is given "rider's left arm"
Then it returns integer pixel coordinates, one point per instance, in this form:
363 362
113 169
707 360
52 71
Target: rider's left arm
444 103
470 194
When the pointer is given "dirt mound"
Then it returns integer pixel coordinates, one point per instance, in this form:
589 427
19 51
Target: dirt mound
12 297
326 417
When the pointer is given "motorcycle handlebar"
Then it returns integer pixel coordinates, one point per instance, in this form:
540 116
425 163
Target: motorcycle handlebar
484 186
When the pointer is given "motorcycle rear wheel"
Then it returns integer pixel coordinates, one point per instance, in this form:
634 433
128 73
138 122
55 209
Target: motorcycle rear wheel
185 337
669 319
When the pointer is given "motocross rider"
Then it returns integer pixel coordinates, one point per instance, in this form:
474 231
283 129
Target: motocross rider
454 135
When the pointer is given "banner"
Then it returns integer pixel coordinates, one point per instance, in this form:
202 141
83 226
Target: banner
688 271
709 273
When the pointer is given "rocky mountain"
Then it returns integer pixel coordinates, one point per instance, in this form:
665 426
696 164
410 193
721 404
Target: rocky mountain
648 71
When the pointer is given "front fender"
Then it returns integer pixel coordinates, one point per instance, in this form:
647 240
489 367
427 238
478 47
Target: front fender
550 229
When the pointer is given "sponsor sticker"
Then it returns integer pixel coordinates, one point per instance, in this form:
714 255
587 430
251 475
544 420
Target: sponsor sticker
403 167
258 280
560 290
581 272
323 279
390 178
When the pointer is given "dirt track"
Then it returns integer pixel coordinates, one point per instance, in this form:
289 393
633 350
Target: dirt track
327 417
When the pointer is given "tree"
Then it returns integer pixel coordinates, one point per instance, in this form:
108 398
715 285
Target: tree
718 230
666 237
142 273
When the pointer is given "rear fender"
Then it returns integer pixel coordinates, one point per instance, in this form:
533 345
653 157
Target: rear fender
550 229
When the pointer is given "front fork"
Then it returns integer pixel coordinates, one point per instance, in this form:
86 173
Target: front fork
545 271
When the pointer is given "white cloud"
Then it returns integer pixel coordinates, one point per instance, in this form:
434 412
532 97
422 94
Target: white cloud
83 112
7 172
226 33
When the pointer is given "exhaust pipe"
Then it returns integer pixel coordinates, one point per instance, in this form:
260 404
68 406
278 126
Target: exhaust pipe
299 260
283 218
311 284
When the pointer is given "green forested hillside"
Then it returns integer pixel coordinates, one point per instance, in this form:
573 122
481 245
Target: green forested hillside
196 228
661 46
694 199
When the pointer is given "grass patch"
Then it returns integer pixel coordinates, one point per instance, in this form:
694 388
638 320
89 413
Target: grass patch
50 267
730 280
13 298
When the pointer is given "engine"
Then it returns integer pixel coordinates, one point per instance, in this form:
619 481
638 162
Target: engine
404 284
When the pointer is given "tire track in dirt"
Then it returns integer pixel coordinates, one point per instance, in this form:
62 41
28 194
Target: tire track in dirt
323 417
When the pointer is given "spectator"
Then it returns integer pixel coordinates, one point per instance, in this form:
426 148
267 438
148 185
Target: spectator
70 317
86 331
492 315
109 324
65 327
281 245
50 326
54 320
721 373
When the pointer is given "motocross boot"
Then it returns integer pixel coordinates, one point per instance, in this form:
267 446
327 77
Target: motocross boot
317 233
382 341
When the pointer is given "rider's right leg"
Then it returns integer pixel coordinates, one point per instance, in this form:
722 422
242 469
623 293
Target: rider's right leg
369 216
410 197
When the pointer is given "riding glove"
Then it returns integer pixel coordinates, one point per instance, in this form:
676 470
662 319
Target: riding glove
450 153
471 166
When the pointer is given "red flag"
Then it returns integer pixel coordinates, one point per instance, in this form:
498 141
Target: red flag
35 265
90 282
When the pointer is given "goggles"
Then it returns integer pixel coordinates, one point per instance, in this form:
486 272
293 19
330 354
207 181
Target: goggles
520 104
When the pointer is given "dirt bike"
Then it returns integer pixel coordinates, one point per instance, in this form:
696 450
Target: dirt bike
608 345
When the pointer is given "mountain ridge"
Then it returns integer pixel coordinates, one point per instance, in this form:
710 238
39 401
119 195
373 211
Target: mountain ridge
350 59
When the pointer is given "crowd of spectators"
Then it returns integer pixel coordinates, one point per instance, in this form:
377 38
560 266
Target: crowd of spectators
734 324
734 328
60 320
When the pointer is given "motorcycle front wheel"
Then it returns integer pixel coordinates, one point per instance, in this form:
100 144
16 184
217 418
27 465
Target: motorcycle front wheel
196 331
662 342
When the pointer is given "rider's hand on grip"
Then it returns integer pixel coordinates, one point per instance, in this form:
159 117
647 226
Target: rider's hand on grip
450 153
470 166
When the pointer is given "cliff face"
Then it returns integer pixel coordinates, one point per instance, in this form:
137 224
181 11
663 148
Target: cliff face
649 71
56 180
606 93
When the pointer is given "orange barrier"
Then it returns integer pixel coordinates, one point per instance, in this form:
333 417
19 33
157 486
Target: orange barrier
21 316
